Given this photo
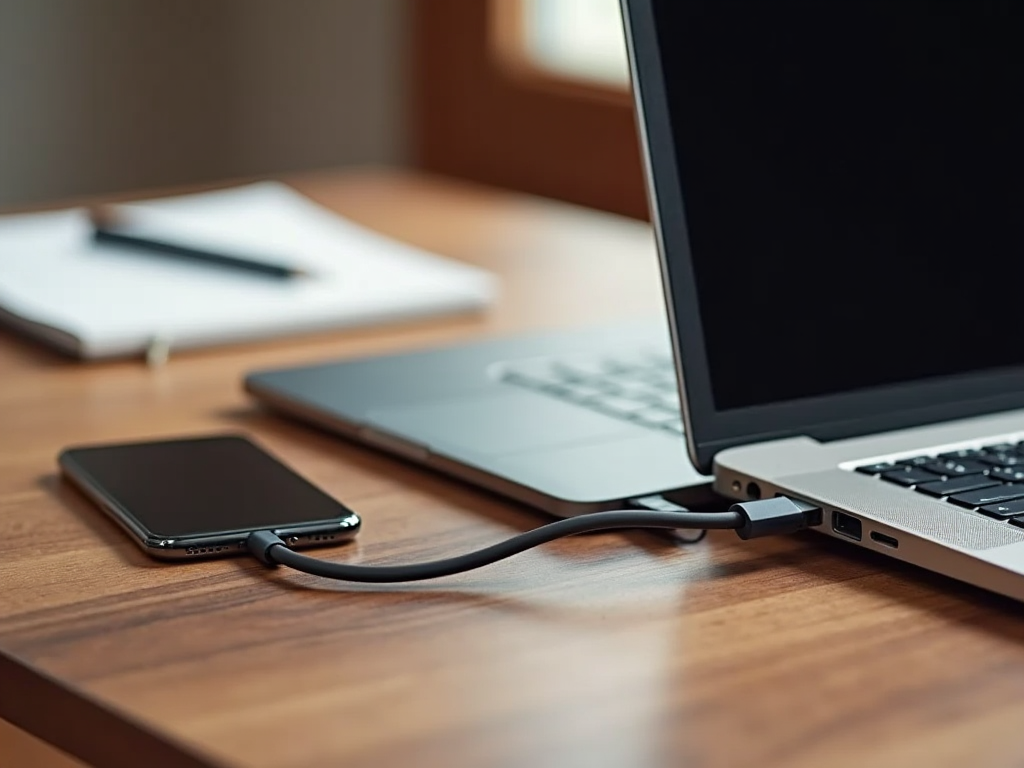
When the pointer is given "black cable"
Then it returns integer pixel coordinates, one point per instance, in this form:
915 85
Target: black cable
274 549
749 520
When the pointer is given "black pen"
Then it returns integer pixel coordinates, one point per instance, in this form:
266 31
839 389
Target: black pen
109 229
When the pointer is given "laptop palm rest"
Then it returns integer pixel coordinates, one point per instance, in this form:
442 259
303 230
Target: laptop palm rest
498 424
556 448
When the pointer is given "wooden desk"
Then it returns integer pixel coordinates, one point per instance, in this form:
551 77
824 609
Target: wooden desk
610 650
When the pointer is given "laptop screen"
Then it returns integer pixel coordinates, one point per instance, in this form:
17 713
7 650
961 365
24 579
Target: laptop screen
853 180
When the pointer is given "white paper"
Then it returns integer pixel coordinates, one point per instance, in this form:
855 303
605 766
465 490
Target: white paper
115 301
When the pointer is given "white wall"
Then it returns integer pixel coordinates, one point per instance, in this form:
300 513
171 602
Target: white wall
106 95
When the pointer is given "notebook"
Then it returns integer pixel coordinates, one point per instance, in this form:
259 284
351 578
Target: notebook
94 301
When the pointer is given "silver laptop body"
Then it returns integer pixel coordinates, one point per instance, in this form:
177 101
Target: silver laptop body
566 422
838 194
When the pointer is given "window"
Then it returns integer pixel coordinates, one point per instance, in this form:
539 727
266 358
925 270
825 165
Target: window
528 94
576 39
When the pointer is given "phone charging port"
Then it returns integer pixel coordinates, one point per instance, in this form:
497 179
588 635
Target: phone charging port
847 525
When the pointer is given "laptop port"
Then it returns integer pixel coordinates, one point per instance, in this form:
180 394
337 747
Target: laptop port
847 525
886 541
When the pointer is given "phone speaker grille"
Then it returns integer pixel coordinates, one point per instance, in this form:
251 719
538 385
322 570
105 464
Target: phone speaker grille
196 551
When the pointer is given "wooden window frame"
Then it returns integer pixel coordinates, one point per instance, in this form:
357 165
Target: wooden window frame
483 111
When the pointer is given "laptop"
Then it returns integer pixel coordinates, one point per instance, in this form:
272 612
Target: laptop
568 422
837 191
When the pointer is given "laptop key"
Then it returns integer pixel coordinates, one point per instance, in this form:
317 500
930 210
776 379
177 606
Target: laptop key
581 393
984 497
655 417
1004 510
617 406
535 379
635 390
998 448
1008 474
955 467
909 476
956 485
877 469
669 400
963 453
917 461
579 370
626 362
1002 459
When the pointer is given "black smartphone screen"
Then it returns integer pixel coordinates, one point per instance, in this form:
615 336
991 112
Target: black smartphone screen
198 487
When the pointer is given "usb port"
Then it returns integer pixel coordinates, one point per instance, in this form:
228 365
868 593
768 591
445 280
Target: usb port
886 541
847 525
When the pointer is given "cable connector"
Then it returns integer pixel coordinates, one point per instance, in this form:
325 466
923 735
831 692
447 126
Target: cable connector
259 544
771 517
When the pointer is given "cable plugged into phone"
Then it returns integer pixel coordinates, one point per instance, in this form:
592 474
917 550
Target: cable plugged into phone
750 520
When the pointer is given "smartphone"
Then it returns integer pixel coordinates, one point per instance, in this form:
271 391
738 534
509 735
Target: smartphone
201 497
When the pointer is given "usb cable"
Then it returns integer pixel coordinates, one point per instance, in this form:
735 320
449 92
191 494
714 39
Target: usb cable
750 520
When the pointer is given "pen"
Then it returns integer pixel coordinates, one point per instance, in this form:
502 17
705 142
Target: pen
108 229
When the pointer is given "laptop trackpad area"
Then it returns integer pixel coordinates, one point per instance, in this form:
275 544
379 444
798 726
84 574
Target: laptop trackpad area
500 423
562 450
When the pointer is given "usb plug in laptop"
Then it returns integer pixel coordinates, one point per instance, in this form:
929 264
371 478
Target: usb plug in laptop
837 190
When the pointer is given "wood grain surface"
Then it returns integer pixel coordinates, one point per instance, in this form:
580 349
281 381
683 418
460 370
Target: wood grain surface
23 750
604 650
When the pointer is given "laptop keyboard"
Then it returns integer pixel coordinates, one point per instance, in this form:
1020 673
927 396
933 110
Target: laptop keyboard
640 387
636 386
989 480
